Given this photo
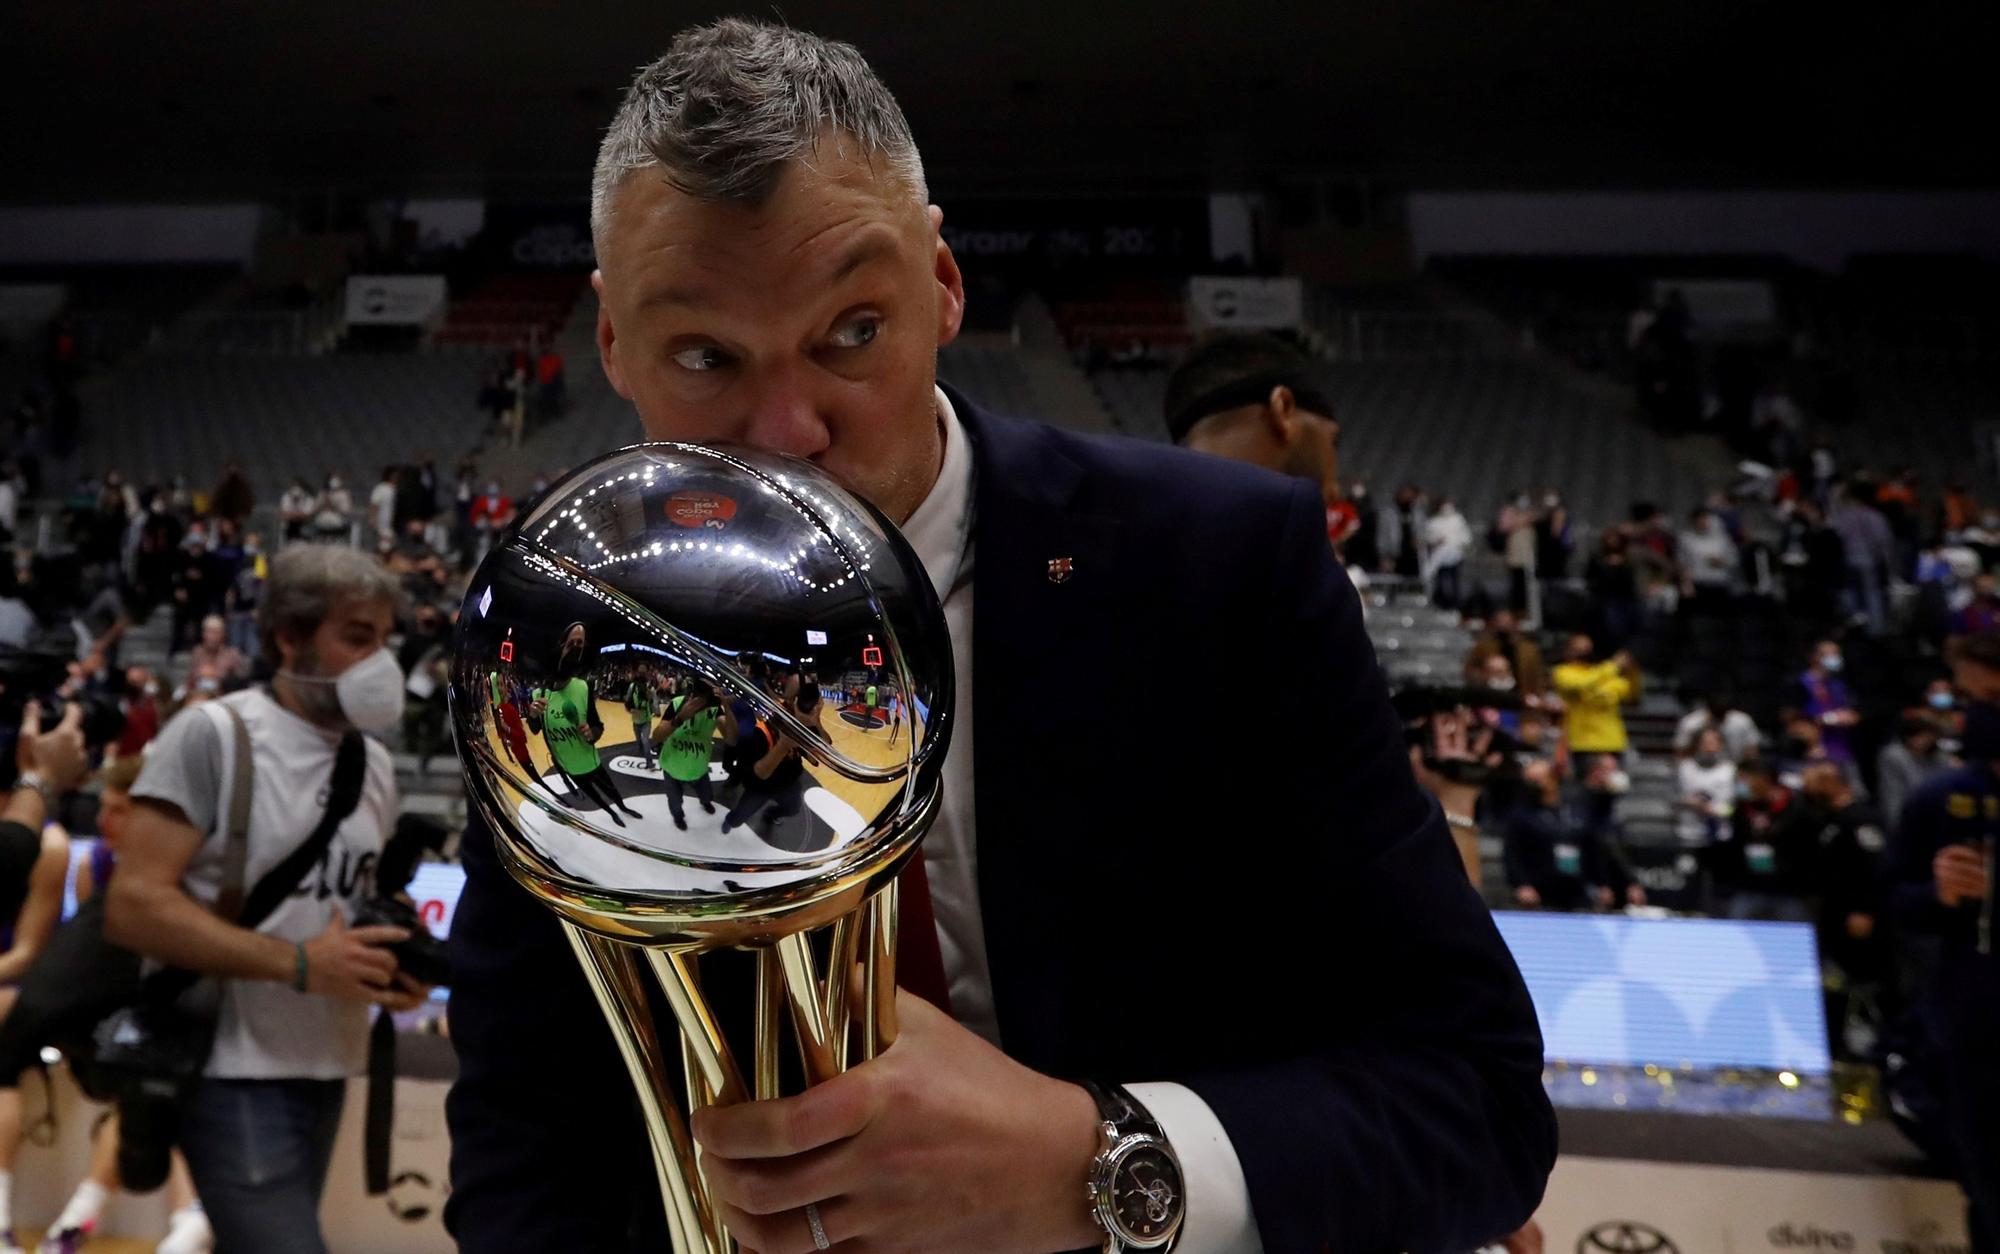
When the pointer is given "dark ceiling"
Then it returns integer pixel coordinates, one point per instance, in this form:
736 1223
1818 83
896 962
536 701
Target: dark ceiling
109 99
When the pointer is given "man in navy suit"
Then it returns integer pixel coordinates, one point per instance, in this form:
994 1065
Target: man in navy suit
1242 911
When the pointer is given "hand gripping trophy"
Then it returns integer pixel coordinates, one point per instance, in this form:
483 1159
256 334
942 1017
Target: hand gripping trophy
725 597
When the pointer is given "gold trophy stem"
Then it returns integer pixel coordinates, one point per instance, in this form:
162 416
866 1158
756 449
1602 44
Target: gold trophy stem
878 972
802 991
844 950
769 1021
675 971
613 974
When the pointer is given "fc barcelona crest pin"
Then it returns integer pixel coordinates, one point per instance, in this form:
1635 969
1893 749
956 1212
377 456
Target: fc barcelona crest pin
1060 569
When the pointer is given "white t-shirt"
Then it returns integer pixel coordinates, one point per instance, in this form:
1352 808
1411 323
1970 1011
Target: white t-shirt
1716 784
382 504
267 1030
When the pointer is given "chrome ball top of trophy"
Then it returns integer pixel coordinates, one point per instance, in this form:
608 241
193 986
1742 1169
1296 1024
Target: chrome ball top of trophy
703 696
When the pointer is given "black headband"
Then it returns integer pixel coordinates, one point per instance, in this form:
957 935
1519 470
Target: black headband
1252 390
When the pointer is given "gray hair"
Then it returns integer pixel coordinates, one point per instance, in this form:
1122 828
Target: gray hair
732 104
308 580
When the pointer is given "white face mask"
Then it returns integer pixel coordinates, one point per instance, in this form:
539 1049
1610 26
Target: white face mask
370 692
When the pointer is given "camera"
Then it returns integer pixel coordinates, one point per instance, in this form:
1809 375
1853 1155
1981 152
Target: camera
1457 731
421 956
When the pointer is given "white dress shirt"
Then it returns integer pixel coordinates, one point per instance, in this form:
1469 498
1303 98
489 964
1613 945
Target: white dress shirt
1218 1220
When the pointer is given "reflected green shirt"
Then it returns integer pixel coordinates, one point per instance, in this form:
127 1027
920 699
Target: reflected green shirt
685 755
566 726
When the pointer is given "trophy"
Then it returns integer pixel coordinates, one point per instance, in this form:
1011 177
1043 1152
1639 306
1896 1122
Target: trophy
703 697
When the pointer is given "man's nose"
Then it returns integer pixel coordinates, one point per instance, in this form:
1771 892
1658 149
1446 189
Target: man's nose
787 418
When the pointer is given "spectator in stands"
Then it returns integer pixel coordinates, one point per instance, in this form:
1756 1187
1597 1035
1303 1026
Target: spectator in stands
295 510
416 492
214 659
418 564
1402 531
17 621
1826 700
514 421
1958 509
1816 564
233 498
1503 637
1253 398
1707 779
333 511
1741 741
550 384
382 506
1593 694
1869 551
1906 762
241 598
1982 611
425 655
1513 537
490 513
1902 509
1710 564
1364 544
1761 864
10 501
1447 541
1553 543
140 703
1614 590
1825 469
194 596
1847 891
1556 860
1538 741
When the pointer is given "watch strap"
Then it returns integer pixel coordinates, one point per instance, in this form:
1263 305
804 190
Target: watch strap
34 780
1121 1117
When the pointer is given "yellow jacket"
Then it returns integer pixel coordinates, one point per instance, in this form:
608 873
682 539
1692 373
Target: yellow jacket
1591 694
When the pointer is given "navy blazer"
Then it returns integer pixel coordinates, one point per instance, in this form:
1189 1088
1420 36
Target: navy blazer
1202 859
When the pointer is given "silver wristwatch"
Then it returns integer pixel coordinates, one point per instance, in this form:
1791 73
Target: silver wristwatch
34 780
1137 1193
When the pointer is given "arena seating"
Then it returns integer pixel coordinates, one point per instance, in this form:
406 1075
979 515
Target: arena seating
1473 429
511 307
163 415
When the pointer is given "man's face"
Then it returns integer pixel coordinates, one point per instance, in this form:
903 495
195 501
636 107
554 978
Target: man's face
808 326
212 632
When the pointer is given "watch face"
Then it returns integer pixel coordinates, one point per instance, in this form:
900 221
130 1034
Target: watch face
1146 1194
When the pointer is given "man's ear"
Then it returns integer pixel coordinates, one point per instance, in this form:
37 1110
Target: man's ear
1282 413
607 339
951 284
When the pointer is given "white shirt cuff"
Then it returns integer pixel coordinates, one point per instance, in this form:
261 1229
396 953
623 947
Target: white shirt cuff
1218 1220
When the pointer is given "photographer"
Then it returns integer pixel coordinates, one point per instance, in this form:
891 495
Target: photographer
292 1019
34 860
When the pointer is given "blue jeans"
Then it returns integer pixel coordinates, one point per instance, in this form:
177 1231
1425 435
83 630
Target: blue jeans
258 1151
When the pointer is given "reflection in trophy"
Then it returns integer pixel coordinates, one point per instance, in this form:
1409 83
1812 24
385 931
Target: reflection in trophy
674 625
